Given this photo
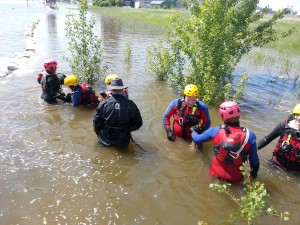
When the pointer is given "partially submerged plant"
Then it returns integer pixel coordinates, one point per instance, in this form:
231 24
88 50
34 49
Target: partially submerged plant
253 203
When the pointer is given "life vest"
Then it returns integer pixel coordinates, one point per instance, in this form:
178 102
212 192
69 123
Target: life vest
88 94
182 115
288 146
44 82
40 76
231 145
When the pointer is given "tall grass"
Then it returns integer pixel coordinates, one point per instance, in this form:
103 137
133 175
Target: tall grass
291 44
152 17
159 18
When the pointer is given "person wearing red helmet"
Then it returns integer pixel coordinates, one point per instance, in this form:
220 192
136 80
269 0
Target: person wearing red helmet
233 145
50 82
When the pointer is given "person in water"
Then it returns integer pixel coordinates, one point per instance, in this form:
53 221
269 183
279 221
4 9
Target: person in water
286 153
187 112
50 82
116 117
233 145
82 93
107 82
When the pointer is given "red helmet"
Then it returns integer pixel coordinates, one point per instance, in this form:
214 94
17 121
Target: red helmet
50 65
229 110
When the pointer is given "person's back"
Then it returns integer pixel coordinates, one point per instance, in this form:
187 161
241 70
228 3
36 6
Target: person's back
84 94
116 118
49 81
233 145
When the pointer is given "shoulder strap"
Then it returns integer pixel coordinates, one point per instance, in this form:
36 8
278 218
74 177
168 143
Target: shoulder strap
235 155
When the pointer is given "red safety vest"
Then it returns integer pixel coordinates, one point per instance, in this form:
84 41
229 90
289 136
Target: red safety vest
288 146
228 142
88 94
186 118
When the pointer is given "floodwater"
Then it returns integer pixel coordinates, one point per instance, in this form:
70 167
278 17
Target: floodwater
53 171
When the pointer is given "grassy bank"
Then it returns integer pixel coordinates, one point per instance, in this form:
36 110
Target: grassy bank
158 17
152 17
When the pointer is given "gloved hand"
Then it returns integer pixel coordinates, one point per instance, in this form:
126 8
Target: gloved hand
253 174
197 129
60 96
170 135
68 97
254 171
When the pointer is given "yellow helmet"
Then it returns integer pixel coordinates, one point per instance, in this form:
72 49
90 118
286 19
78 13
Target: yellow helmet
191 90
109 78
71 80
296 109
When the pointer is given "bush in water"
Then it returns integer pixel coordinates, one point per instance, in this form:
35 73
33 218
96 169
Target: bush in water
252 204
85 47
205 47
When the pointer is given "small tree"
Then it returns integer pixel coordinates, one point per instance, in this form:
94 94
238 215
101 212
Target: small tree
85 47
253 203
209 43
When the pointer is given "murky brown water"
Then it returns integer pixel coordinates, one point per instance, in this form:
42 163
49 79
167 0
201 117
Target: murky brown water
53 171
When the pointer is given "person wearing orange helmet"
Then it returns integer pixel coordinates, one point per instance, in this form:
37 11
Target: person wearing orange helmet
233 145
50 82
286 153
187 112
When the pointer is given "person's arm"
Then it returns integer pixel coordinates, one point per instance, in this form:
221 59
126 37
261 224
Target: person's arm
205 116
76 99
137 120
98 121
206 136
168 114
253 156
276 132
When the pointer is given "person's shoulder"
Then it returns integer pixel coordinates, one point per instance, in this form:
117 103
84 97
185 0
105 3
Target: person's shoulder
202 105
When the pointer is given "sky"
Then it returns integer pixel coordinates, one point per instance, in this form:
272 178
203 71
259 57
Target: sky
280 4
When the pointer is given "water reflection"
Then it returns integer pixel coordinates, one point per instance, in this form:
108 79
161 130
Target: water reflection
52 27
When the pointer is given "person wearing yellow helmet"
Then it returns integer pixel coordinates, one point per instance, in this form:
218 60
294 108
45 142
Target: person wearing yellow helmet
109 78
286 153
107 81
82 93
187 112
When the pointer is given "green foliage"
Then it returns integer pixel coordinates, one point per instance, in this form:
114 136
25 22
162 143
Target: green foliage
128 51
85 47
252 204
240 88
119 3
102 3
211 42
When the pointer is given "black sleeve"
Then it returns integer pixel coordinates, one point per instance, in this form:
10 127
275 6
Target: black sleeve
52 86
136 118
276 132
98 121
